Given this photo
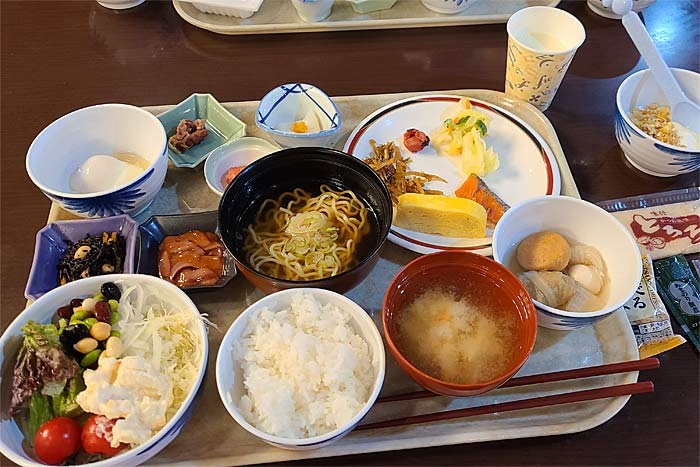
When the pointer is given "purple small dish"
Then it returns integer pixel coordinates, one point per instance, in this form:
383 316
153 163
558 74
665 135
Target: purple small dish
52 240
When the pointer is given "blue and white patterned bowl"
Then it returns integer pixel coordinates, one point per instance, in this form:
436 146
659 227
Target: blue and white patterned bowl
229 374
11 438
641 150
101 129
446 7
291 102
581 222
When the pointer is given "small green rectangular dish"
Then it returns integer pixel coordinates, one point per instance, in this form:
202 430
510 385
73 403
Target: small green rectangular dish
222 125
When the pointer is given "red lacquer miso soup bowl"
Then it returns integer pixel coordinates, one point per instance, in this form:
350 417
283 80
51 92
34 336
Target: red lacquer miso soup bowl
458 323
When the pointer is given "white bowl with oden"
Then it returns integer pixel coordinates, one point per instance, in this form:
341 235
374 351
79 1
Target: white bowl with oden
581 222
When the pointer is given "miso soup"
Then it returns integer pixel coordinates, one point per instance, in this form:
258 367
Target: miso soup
461 338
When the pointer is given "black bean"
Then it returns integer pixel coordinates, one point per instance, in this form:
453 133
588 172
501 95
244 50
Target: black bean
72 334
111 291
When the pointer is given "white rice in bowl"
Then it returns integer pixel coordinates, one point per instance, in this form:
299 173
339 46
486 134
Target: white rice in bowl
305 371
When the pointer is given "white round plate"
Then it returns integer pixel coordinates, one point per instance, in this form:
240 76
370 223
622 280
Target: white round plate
528 167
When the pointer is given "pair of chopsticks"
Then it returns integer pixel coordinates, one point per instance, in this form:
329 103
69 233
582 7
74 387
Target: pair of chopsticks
557 399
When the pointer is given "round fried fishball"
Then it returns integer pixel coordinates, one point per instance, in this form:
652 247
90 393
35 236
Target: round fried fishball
544 251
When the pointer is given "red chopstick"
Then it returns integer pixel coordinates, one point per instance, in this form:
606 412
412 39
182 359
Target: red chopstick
599 370
577 396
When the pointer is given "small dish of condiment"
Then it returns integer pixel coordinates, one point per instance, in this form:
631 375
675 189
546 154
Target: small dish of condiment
227 161
297 115
185 250
197 126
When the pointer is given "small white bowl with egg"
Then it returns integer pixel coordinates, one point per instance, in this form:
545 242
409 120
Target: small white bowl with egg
645 153
583 223
236 154
310 351
11 438
299 114
100 161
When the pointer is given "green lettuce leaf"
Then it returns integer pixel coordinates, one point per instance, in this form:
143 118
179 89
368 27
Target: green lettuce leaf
39 413
64 404
39 335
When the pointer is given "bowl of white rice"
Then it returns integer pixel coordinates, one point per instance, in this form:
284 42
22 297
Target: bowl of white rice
300 368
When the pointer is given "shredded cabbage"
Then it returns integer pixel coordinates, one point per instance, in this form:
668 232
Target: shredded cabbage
165 336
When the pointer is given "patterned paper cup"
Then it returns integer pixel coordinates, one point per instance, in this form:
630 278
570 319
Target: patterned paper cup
542 42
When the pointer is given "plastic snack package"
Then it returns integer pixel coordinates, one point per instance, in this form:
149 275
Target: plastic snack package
647 314
680 291
696 266
664 224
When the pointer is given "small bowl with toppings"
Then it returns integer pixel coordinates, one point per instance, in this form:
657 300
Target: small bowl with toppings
299 114
577 261
66 251
331 374
68 355
229 160
197 126
185 249
100 161
458 323
648 137
305 217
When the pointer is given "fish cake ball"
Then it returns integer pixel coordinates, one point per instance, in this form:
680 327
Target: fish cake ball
544 251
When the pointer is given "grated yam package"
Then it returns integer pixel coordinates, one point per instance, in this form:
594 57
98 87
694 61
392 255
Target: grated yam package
664 225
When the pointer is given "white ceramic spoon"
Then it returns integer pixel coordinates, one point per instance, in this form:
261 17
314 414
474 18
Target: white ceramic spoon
683 110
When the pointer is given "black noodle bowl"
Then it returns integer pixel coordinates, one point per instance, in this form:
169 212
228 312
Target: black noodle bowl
308 169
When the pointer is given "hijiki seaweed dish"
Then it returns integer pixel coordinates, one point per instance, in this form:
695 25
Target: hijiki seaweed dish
92 256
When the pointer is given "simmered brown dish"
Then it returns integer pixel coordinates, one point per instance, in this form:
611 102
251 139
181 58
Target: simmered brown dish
192 259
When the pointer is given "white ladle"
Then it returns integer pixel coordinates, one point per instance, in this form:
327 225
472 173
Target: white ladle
683 110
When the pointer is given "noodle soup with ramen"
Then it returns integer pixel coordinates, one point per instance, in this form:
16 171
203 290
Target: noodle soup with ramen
302 237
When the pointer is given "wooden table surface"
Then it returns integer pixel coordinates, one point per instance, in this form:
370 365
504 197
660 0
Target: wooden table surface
60 56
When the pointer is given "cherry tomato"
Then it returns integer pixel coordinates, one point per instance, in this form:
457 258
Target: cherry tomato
57 440
97 434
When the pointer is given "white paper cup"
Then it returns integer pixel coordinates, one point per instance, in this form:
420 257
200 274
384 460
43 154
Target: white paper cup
542 42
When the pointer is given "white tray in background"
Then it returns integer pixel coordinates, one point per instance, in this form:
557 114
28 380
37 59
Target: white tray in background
212 438
279 16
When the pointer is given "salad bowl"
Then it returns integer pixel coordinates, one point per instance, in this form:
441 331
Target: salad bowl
11 438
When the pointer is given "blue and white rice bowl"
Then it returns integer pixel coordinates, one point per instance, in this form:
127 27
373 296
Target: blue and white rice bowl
107 129
642 151
11 438
229 373
581 222
293 102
